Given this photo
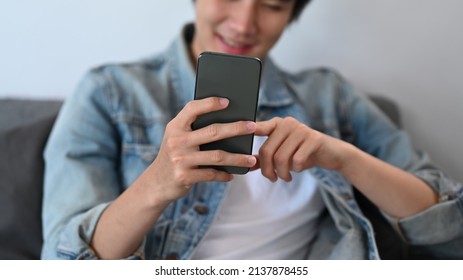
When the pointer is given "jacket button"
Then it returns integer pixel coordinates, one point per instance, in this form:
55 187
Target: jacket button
201 209
172 256
346 197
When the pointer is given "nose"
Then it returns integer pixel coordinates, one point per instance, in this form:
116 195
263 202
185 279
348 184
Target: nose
244 19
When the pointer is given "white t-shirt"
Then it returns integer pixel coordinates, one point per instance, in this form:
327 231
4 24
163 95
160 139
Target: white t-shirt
259 219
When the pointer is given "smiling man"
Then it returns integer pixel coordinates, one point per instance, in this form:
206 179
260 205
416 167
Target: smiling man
122 163
240 27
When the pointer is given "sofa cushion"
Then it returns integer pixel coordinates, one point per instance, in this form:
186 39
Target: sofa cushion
24 129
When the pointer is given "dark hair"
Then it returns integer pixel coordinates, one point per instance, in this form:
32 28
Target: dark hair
299 6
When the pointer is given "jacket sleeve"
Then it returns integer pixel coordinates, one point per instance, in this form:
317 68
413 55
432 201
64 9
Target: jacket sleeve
81 178
377 135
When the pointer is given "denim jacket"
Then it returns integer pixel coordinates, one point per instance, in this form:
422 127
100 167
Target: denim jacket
111 129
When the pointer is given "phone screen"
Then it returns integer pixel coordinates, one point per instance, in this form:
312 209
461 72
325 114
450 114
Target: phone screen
236 78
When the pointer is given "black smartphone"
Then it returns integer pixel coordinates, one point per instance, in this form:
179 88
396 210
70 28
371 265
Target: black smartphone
236 78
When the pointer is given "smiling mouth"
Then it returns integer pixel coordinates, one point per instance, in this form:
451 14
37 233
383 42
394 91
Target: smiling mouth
233 43
230 46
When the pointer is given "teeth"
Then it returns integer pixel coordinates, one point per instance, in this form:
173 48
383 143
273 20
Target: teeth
232 43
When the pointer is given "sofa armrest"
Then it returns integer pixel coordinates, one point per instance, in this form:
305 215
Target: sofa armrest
389 107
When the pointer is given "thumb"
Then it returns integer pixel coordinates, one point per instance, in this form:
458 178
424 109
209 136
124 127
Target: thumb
257 165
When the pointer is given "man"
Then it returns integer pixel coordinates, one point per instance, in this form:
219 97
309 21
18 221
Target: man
123 181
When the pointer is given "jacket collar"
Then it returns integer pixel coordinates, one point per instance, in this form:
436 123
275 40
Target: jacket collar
274 90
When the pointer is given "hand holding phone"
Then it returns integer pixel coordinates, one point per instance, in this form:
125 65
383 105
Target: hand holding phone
236 78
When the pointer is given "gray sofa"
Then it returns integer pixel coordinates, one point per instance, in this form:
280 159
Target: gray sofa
24 129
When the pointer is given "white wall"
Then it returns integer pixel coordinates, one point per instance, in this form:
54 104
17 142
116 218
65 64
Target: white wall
409 50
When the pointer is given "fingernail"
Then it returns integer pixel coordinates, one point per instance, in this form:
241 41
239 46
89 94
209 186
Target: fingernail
252 160
251 126
223 101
